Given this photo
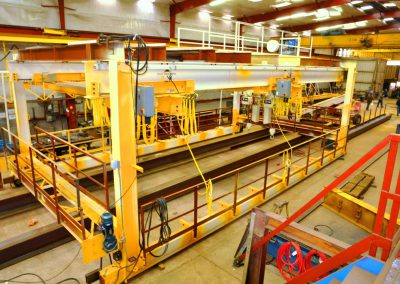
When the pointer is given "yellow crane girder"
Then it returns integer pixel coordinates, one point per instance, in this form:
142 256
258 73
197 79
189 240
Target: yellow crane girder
353 41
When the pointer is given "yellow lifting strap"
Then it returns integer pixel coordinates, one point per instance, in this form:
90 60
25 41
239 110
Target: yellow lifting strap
99 111
207 183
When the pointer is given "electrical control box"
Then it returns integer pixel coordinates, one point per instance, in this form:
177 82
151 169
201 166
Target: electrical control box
145 101
283 88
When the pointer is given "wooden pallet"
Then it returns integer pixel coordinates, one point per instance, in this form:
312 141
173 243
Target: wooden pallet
358 185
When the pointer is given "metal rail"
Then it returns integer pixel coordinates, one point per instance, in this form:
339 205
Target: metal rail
234 196
55 187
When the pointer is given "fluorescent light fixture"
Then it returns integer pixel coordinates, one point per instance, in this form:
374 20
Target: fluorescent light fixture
227 17
388 19
295 16
393 63
321 29
355 2
281 5
274 27
322 19
146 5
107 2
306 33
368 7
259 24
204 14
79 42
322 13
349 26
361 24
389 4
335 13
255 0
217 2
301 15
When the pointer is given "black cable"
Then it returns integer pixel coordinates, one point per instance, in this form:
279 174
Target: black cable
316 228
41 279
161 208
24 274
8 52
68 279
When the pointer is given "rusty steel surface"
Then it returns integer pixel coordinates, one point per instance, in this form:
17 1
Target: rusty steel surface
32 243
14 204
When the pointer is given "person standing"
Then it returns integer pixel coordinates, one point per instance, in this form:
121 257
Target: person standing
369 100
398 106
380 100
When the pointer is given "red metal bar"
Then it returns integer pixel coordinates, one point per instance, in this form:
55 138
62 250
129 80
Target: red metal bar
386 186
61 10
33 172
55 192
362 161
336 144
16 157
187 5
293 10
323 150
172 24
141 210
196 196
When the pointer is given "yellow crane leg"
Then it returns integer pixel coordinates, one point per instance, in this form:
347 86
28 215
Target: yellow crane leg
125 177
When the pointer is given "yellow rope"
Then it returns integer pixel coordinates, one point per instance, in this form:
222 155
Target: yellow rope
208 184
188 125
99 110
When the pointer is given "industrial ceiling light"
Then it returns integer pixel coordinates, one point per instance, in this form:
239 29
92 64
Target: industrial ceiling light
217 2
361 23
355 2
390 4
388 19
146 5
368 7
227 17
280 5
107 2
255 0
204 14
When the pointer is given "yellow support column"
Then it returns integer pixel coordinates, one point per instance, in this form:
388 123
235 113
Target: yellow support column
125 178
348 97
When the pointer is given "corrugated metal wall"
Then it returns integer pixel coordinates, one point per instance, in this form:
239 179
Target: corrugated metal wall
391 72
370 74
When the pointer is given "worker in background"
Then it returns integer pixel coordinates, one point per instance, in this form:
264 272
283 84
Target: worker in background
398 106
369 99
380 99
385 93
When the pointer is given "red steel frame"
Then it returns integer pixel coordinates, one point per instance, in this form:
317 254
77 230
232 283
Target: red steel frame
379 238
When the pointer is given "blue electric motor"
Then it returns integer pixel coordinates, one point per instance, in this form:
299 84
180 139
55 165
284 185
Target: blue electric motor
107 228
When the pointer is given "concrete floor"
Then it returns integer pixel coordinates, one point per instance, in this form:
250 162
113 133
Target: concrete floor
210 260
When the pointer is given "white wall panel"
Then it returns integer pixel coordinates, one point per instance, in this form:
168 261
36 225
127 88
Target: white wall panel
29 13
366 65
121 17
